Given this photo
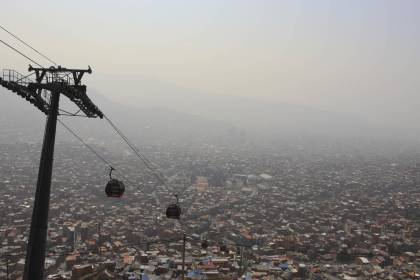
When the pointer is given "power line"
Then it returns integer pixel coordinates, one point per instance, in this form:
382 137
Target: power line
159 241
22 54
26 44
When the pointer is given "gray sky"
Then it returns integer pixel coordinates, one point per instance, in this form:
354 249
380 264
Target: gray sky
355 56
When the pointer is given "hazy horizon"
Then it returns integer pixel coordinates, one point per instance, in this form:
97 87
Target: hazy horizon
251 139
355 58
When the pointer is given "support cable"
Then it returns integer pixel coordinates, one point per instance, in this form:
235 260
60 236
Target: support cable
107 163
22 54
67 113
32 60
142 157
26 44
25 56
84 143
32 48
73 115
128 142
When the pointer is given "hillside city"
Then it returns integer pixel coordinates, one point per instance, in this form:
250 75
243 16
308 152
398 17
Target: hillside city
246 214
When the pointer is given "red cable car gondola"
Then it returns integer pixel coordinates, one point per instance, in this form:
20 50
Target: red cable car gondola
204 244
173 211
114 187
224 249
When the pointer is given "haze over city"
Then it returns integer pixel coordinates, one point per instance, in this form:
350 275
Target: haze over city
356 58
236 139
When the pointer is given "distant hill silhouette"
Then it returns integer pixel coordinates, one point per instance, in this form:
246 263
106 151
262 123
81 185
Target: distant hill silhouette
193 118
20 119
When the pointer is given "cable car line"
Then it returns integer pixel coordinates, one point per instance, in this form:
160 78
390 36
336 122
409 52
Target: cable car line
32 48
27 57
147 163
26 44
142 157
21 53
116 188
173 211
84 143
69 114
160 177
61 122
106 162
68 128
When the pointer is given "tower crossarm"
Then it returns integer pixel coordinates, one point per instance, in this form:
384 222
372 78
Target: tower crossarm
56 80
76 93
69 76
68 82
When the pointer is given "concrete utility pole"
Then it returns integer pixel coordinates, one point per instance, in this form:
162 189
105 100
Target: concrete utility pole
184 240
99 239
57 81
7 268
241 263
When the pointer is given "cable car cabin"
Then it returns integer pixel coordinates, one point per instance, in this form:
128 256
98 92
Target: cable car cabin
173 211
114 188
224 248
204 244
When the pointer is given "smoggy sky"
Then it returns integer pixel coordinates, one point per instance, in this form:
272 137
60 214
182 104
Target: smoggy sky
355 56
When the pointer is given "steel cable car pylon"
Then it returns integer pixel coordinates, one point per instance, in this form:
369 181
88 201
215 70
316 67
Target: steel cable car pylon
57 81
